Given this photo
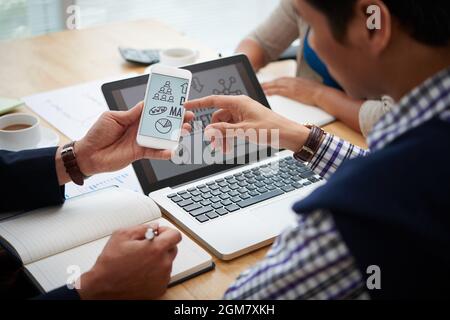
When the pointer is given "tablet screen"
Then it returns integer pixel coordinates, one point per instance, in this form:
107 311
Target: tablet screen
230 79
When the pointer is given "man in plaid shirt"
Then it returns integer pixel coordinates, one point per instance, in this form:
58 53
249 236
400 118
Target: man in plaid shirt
387 206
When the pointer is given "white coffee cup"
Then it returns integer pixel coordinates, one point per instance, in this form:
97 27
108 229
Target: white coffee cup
177 57
21 138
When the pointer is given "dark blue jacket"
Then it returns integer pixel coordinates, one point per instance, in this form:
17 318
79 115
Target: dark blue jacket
28 181
392 209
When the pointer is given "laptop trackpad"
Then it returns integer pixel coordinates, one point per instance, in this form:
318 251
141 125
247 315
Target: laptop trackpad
278 214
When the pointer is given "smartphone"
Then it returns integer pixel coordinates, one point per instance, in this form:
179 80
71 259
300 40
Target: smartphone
163 113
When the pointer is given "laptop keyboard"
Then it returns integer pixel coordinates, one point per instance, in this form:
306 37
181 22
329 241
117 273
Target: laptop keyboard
238 191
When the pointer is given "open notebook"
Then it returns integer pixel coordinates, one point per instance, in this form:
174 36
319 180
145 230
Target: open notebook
291 109
49 240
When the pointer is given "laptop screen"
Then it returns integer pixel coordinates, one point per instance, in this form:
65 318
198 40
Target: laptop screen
229 76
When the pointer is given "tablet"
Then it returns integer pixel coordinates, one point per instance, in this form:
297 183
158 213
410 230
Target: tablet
226 76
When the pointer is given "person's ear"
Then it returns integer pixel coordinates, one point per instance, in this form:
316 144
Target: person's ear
371 28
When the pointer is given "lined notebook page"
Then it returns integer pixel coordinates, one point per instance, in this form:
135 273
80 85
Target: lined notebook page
51 272
46 232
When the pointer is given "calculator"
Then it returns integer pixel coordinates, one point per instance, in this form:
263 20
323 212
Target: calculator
143 57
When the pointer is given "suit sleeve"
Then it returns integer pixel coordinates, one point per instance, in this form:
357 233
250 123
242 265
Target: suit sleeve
29 180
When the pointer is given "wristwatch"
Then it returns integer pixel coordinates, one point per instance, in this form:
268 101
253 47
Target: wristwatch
312 144
69 159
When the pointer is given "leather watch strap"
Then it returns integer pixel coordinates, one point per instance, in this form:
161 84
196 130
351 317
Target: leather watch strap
69 159
312 144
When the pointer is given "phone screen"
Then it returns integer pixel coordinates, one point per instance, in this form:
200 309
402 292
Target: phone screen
164 110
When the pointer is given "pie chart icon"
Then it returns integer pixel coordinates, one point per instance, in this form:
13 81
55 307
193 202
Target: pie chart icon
163 125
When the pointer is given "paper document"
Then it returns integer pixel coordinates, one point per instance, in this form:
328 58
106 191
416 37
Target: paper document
72 110
125 178
296 111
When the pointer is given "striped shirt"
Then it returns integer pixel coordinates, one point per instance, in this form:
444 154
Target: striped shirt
310 260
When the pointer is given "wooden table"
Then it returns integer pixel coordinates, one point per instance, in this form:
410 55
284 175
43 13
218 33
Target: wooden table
71 57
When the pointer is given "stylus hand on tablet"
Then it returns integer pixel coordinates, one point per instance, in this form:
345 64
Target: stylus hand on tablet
111 145
238 114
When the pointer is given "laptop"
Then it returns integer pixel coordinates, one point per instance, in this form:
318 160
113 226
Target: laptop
232 206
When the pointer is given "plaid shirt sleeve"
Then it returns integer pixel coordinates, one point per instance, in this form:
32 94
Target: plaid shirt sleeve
332 153
307 261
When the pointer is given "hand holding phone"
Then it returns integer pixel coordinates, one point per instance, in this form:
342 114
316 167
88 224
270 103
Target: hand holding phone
162 116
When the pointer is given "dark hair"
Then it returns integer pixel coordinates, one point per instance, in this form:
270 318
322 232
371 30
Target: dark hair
427 21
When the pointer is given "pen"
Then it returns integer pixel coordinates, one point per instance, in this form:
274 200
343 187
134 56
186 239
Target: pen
150 234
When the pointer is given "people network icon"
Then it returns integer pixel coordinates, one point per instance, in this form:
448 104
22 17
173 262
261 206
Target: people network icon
164 93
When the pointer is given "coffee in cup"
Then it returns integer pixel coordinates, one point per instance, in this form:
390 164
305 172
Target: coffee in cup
15 127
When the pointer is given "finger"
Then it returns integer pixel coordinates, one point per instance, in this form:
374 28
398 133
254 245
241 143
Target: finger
131 233
134 113
221 130
189 116
137 235
172 253
220 134
223 133
186 129
222 102
221 115
154 226
149 153
268 84
168 238
275 91
129 117
284 81
280 82
210 133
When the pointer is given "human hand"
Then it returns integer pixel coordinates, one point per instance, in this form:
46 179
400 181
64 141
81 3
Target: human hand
302 90
239 114
111 145
132 267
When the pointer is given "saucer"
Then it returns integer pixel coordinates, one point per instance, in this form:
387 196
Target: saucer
49 138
